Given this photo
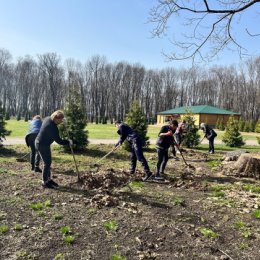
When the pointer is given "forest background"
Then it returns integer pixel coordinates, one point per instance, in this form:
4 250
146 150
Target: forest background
41 85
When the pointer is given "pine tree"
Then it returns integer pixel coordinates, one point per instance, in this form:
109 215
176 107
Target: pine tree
191 138
241 124
136 119
232 136
75 124
3 131
257 126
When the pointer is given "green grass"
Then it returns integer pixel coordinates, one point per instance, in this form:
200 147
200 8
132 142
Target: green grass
105 131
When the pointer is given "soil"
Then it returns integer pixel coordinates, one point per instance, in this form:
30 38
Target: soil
198 214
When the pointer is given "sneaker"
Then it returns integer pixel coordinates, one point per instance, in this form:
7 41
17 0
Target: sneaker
47 185
159 178
53 183
211 152
37 169
148 176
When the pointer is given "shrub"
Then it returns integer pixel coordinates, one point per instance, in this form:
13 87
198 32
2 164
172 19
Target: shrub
257 126
136 119
232 136
191 138
76 122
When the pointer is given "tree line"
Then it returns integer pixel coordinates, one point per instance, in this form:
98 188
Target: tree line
40 85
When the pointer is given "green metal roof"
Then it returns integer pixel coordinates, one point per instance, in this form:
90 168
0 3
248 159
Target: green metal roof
202 109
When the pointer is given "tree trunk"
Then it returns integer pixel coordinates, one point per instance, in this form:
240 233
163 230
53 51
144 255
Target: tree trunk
248 165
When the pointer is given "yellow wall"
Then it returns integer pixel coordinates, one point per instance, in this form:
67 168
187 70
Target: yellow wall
209 119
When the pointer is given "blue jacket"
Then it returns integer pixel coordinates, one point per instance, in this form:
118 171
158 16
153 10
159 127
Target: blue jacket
34 127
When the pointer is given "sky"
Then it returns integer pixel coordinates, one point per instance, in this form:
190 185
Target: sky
80 29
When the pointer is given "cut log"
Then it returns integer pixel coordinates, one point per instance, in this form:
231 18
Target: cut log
248 165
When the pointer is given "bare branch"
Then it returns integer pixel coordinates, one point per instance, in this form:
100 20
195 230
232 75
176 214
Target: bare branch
205 29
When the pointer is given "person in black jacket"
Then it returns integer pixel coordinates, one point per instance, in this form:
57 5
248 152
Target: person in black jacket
210 134
127 133
49 133
34 129
163 143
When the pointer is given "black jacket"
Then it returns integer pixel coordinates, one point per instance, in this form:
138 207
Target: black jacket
209 132
127 133
164 142
49 133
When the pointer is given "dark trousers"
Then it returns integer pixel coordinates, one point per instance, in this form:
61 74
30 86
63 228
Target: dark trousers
162 160
137 154
35 157
172 149
211 145
45 153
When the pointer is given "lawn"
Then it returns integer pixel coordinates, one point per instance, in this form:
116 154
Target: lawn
106 131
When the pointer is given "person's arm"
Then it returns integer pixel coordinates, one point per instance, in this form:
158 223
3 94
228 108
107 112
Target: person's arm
57 138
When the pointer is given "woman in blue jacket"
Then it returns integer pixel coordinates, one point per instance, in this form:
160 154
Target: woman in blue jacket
34 129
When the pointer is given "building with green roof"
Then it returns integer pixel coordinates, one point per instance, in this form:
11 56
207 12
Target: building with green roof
202 113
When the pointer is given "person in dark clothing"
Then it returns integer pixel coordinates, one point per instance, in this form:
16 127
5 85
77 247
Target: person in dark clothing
210 134
49 133
127 133
34 129
163 143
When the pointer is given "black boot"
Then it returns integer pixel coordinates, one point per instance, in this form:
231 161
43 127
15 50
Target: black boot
37 169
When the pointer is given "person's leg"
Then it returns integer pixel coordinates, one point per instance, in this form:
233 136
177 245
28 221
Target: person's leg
45 153
212 150
133 161
140 157
211 145
160 160
33 152
165 160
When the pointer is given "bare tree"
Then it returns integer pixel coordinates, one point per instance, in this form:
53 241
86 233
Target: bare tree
203 28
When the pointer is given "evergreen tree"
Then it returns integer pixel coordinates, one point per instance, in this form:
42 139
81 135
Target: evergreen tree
136 119
75 124
241 125
257 126
3 131
191 137
217 124
232 136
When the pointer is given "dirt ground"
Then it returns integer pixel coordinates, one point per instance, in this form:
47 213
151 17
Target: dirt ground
199 213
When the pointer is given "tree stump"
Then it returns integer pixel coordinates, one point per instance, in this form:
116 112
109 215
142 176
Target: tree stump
248 165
